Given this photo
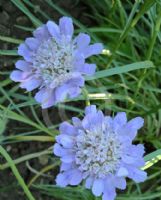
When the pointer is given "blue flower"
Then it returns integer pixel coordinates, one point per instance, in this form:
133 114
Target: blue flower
99 150
54 62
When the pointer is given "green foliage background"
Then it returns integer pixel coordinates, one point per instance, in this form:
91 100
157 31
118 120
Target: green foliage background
128 78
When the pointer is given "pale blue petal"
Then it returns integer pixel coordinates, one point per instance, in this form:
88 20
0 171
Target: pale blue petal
24 51
98 187
136 174
45 97
93 50
122 172
89 182
16 76
68 158
59 150
120 183
66 27
76 177
41 33
53 29
128 159
65 140
76 121
91 121
127 132
61 93
74 92
66 128
119 121
135 123
137 150
87 69
90 109
109 193
23 65
31 84
32 43
65 166
76 80
82 41
78 61
61 180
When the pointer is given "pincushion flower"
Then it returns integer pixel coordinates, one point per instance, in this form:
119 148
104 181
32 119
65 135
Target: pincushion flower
99 150
54 62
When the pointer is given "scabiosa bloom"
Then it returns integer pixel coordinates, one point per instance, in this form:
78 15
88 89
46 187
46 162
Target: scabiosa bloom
54 62
99 150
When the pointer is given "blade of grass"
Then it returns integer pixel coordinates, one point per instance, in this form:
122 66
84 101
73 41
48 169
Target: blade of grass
16 173
121 70
10 100
152 158
150 50
36 9
132 21
24 158
39 138
8 52
12 115
10 40
25 10
45 169
24 28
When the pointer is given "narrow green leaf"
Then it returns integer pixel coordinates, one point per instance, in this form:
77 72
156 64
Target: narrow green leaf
67 193
152 158
3 123
25 10
8 52
13 115
102 30
131 22
24 158
37 9
16 173
121 70
10 40
153 155
144 7
24 28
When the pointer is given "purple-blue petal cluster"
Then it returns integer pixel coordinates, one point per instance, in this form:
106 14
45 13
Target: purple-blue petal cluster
99 150
54 62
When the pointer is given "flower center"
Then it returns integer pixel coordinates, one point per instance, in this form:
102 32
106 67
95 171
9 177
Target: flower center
97 154
53 62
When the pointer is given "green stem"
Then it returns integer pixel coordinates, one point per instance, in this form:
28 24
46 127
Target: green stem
85 94
155 33
15 116
16 173
24 158
124 32
132 21
97 198
150 50
152 158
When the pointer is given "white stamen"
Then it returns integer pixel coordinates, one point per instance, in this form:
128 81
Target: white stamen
53 62
98 153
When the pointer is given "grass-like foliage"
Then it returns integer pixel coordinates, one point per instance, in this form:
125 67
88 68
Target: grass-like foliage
128 79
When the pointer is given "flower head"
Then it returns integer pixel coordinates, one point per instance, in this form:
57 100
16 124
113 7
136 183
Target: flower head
99 150
54 62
